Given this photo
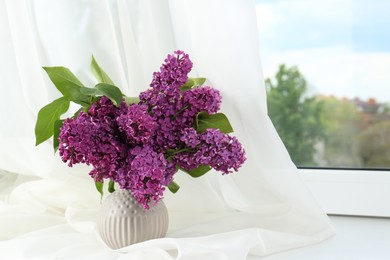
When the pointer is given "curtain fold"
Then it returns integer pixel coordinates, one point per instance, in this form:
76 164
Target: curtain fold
47 210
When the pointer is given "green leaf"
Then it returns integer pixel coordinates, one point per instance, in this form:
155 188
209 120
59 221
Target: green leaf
188 85
89 91
183 89
199 81
192 82
173 187
99 187
56 133
111 186
131 100
100 75
67 83
197 172
216 121
110 91
47 116
103 89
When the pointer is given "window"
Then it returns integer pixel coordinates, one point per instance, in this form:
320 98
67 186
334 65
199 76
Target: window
326 64
326 67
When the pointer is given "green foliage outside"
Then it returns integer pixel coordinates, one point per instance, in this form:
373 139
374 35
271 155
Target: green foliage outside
327 131
342 122
374 145
294 115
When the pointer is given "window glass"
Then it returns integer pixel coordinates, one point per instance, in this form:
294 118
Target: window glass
327 71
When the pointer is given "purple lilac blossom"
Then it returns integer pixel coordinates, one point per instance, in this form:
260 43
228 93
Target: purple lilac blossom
165 84
104 111
138 126
164 100
190 137
96 140
174 71
91 138
145 173
84 139
127 144
201 99
219 150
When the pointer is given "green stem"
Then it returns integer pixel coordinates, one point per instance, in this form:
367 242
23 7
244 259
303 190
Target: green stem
178 112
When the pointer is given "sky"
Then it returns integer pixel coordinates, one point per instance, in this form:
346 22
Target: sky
341 47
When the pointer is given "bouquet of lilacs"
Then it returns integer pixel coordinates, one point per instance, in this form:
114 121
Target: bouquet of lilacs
140 143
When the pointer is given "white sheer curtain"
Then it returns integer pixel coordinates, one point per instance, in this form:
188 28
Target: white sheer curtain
47 210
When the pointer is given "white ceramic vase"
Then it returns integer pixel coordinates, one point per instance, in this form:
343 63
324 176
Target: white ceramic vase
122 221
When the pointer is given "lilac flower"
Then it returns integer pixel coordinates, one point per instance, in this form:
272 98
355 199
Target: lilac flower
174 71
165 101
164 95
75 139
201 99
145 173
220 151
137 124
105 111
85 139
190 137
140 146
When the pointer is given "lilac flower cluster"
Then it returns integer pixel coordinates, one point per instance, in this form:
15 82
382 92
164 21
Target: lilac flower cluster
201 99
164 100
140 146
146 173
137 124
216 149
114 141
85 139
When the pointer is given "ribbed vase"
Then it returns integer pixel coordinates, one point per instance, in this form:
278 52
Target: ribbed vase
122 221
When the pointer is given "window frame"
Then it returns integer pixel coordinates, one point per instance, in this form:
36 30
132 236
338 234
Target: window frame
353 192
339 191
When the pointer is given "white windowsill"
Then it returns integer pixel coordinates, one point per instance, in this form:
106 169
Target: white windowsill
356 238
350 192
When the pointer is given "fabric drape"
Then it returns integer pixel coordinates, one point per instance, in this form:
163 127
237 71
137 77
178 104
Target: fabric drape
47 210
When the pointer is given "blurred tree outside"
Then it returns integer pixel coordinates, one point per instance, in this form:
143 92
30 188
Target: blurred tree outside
342 122
294 115
374 140
374 145
327 131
